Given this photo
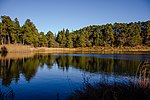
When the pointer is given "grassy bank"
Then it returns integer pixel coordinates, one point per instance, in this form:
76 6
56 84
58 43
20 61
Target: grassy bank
16 48
22 49
92 49
17 55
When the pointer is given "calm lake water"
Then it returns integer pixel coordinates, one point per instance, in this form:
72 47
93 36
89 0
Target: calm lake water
47 76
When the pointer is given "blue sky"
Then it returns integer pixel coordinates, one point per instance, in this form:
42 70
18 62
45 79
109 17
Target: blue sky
55 15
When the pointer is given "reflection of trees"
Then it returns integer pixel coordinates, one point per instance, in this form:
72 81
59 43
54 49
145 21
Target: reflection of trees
62 62
122 66
29 68
91 64
94 64
50 60
10 69
46 59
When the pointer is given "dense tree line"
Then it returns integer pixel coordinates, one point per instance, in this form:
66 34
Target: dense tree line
117 34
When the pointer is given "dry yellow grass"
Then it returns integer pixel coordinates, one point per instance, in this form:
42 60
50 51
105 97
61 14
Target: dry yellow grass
92 49
17 55
12 48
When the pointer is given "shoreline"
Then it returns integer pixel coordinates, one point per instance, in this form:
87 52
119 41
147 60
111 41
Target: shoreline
91 50
26 49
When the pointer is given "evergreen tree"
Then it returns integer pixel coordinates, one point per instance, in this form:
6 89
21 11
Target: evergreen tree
133 35
42 39
1 36
146 33
7 29
81 42
30 33
61 38
119 34
97 39
108 35
17 31
74 38
69 43
50 39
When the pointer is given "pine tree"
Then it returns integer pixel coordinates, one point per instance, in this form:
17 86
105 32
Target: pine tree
61 38
7 29
108 35
69 43
120 34
97 39
146 33
50 39
30 33
133 35
17 31
42 39
81 42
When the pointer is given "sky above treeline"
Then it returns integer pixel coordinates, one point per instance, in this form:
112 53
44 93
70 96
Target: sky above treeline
54 15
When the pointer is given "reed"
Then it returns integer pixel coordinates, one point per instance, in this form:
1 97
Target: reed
115 91
137 88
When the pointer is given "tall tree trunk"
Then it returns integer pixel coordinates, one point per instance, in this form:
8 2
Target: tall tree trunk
8 39
23 42
2 40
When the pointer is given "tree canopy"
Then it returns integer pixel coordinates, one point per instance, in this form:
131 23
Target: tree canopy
117 34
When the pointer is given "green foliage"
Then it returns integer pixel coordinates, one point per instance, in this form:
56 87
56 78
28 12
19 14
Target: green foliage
97 39
146 33
61 38
17 31
7 29
108 35
81 41
133 35
30 33
50 39
118 34
1 37
42 40
69 43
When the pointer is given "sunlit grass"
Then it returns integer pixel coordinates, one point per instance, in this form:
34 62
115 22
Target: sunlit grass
13 48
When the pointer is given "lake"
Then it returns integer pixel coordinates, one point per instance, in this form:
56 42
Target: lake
53 76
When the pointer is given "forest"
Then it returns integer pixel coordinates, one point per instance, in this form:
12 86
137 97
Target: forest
113 35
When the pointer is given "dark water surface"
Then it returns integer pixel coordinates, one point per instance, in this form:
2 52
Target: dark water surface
49 76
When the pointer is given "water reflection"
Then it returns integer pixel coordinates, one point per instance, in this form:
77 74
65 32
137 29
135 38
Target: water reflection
10 69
